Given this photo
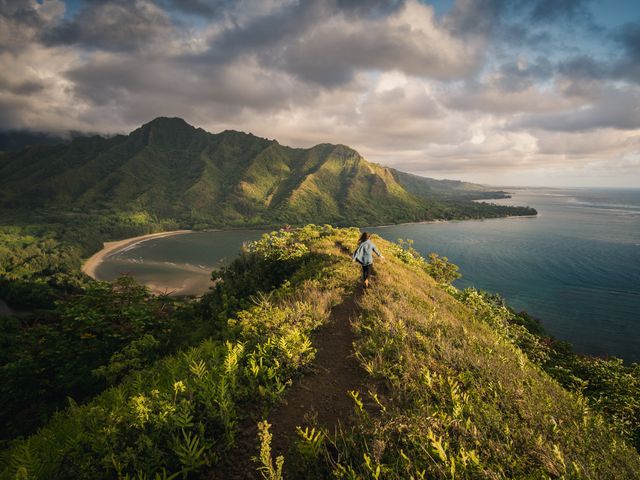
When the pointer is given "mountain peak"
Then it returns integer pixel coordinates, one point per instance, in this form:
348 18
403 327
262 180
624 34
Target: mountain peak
166 132
167 124
167 121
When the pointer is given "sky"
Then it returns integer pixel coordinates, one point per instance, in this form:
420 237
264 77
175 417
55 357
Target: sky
502 92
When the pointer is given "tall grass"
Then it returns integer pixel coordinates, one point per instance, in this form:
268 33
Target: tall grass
453 396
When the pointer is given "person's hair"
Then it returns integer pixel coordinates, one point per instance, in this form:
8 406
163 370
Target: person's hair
363 238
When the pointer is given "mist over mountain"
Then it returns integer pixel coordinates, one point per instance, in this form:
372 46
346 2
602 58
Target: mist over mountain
16 140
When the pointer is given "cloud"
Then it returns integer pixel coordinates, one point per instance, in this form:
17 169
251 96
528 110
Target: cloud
21 21
370 8
33 91
617 108
207 8
323 44
629 38
409 41
549 10
517 23
116 25
487 86
496 101
587 145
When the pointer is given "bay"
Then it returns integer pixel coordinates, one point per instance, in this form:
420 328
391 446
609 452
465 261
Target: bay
180 264
576 266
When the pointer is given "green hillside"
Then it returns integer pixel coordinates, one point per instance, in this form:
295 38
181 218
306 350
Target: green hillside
169 170
443 383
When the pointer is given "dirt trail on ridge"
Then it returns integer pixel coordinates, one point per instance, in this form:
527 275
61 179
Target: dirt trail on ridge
322 397
318 398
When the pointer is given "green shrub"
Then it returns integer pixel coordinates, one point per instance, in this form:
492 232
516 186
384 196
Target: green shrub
182 413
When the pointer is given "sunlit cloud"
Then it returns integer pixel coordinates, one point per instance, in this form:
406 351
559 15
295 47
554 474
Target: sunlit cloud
483 90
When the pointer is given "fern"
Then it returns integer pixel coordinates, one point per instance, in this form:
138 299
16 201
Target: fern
189 451
312 441
199 369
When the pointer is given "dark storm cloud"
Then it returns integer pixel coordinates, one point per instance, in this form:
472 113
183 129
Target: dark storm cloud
511 20
22 87
153 83
18 22
624 64
584 67
19 11
260 34
628 37
373 8
117 25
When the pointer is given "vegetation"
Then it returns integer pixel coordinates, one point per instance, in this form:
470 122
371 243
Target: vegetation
456 384
93 336
170 172
34 266
609 386
180 413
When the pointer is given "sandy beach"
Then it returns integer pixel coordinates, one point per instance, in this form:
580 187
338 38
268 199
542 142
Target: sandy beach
89 267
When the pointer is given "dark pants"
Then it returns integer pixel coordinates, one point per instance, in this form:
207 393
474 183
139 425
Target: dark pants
366 271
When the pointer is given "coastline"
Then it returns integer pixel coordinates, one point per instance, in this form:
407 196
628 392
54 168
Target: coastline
424 222
93 262
195 285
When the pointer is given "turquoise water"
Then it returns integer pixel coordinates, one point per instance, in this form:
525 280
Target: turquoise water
576 266
180 263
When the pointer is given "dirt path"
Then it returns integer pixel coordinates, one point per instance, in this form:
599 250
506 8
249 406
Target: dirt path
322 397
319 398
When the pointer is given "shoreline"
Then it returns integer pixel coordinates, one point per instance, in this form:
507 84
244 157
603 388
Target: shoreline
93 262
90 265
424 222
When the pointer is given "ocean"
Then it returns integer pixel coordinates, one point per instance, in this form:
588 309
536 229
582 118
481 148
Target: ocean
576 266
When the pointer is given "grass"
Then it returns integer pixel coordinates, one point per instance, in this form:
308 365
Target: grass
454 398
450 393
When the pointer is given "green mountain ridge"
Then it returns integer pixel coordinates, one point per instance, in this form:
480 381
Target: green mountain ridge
171 170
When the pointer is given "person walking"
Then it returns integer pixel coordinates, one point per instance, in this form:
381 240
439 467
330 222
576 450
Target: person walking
364 256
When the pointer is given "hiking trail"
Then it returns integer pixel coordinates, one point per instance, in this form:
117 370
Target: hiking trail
319 398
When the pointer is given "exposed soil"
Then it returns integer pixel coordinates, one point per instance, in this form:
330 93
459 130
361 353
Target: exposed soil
322 397
319 398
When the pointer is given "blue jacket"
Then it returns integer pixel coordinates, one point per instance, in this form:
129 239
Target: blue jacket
363 253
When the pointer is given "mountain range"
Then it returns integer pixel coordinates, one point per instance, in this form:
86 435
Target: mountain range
170 169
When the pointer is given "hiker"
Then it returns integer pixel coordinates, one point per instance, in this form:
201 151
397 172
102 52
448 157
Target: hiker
364 257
